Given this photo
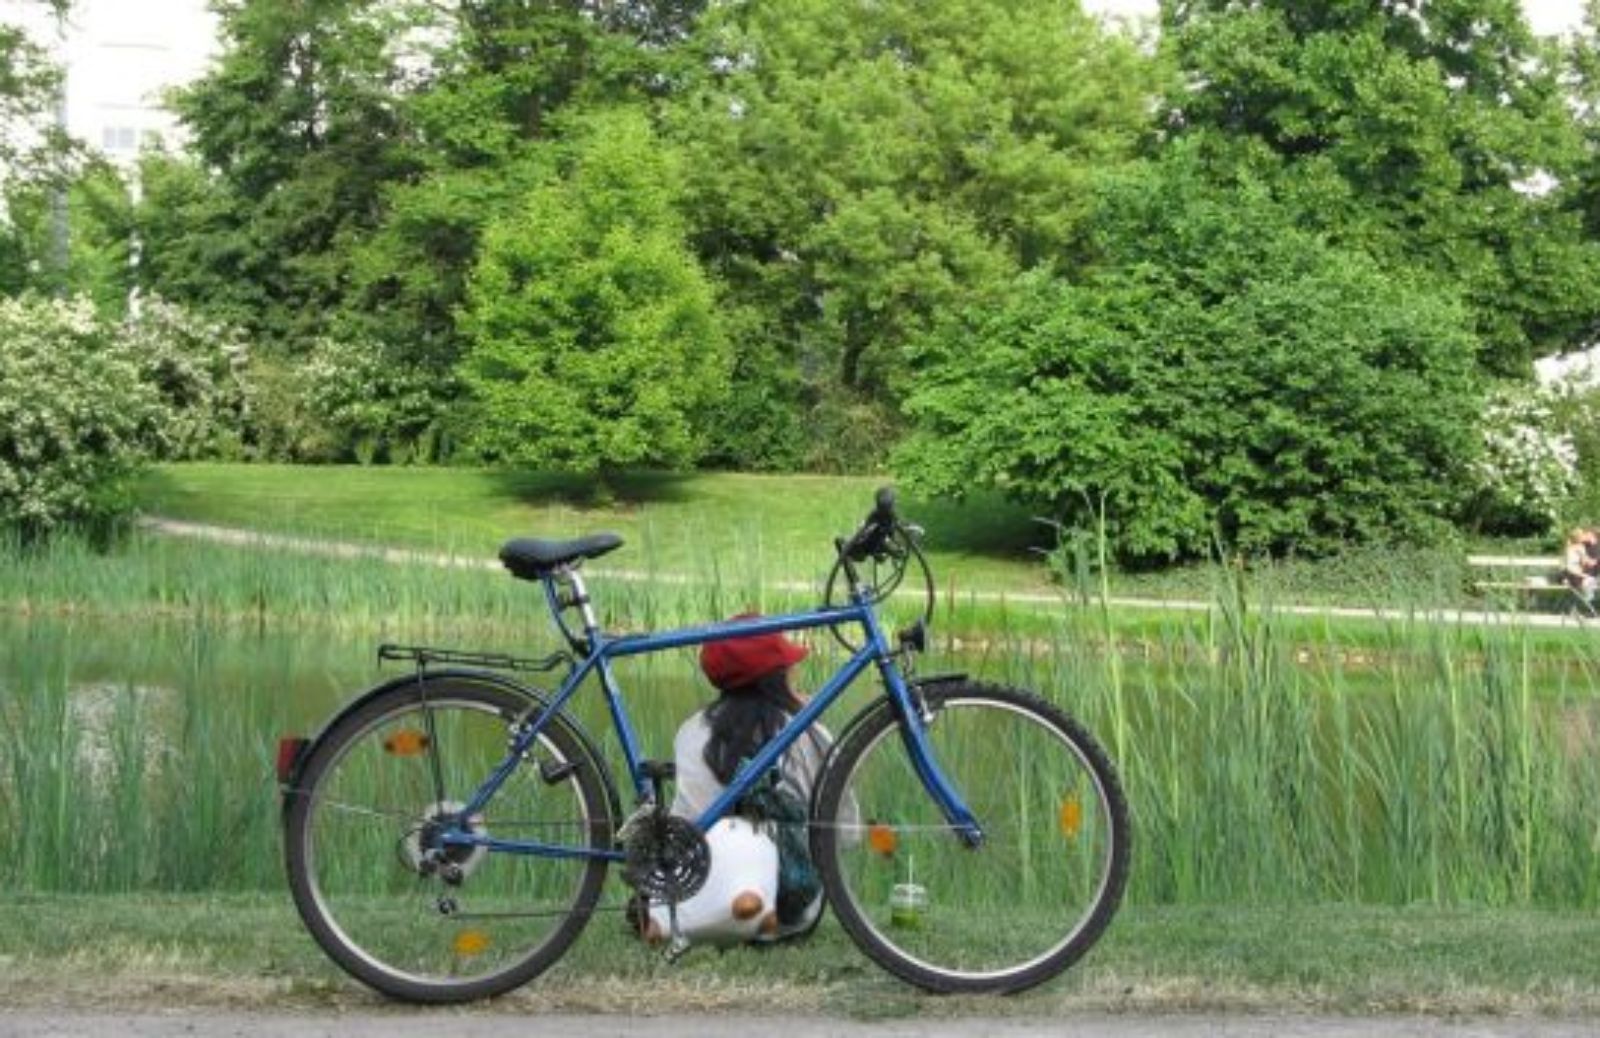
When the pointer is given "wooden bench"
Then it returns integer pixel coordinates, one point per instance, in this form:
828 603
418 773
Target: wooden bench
1530 577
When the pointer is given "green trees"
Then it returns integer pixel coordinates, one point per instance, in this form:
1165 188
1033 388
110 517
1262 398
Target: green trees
1583 65
1419 135
298 119
786 234
28 86
1355 214
35 162
595 342
860 168
1222 372
500 72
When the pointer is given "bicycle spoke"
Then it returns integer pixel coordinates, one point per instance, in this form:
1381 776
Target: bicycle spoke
409 914
1023 903
385 814
553 913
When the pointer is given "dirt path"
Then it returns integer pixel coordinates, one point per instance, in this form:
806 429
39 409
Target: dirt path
406 1023
406 556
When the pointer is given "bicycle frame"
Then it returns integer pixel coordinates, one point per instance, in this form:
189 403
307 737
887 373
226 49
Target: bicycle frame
601 651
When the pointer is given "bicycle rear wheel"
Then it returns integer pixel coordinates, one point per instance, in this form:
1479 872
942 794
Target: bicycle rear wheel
360 823
1005 915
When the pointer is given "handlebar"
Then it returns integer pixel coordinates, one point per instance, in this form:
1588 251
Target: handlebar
893 548
875 532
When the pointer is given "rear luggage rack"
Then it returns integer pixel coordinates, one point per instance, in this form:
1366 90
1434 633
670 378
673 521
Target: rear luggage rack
422 656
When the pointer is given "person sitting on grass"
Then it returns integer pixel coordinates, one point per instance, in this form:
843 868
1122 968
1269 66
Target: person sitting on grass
752 892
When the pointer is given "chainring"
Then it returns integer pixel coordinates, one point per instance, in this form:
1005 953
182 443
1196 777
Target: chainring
666 858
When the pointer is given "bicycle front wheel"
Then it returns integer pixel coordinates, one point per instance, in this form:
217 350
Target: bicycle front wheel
425 923
1002 916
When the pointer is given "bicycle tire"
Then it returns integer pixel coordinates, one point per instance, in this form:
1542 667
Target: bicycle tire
977 932
332 916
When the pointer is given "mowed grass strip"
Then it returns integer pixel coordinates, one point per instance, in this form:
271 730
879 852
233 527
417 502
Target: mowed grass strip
726 525
250 950
738 526
150 576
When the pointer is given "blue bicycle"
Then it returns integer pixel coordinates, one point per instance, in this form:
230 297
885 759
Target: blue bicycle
449 832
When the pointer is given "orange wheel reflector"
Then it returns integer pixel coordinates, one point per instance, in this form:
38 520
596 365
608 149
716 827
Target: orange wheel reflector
408 742
470 942
1071 817
882 839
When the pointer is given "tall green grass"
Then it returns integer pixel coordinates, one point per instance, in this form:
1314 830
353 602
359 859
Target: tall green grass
1432 763
1266 757
158 779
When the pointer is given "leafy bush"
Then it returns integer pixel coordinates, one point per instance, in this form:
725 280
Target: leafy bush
760 426
76 418
283 426
595 337
849 432
1221 374
375 406
198 369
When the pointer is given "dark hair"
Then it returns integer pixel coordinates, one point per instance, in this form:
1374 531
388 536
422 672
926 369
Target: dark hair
743 719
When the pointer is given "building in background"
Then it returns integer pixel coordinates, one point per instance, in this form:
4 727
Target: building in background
121 56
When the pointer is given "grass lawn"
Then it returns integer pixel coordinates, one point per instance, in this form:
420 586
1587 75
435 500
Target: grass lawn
239 951
732 526
702 523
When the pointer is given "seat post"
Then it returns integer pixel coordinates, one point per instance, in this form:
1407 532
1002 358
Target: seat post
580 598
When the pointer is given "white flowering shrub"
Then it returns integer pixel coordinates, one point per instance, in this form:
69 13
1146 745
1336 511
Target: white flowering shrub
1528 470
282 426
76 417
1573 389
198 369
374 404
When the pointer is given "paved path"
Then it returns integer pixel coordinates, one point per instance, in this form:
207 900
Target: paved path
407 556
430 1024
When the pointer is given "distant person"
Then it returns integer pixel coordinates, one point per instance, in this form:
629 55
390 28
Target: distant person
779 894
1579 562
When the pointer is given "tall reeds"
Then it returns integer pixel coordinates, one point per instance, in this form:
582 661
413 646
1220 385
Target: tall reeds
1266 757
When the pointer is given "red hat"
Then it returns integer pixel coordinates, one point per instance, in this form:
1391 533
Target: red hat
736 662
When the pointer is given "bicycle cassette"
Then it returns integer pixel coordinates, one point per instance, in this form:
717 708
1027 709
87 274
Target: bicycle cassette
665 858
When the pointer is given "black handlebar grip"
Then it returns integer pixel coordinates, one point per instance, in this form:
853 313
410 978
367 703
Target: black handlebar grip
884 510
875 532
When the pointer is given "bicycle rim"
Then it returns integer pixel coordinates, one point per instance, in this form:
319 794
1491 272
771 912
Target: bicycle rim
1016 909
417 935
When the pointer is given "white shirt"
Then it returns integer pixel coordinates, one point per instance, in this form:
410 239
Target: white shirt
744 859
697 787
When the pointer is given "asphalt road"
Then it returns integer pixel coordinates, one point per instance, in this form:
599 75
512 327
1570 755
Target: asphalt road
409 1023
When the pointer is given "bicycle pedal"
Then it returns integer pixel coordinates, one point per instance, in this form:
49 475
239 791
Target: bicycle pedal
553 772
679 943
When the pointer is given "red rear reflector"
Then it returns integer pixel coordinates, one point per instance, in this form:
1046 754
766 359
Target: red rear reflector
289 749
